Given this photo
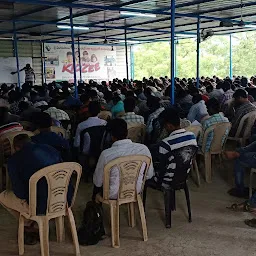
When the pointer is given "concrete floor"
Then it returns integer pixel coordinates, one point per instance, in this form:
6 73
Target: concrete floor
214 230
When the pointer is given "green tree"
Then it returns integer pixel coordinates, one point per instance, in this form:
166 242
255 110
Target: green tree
153 59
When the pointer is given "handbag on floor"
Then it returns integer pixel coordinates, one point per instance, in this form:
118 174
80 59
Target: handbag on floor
92 229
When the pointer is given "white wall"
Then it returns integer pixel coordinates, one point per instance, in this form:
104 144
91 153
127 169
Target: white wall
25 49
34 50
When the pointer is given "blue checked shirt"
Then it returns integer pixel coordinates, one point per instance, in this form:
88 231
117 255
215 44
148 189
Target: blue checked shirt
214 119
131 117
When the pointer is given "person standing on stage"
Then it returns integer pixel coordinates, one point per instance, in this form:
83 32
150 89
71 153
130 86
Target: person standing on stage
30 76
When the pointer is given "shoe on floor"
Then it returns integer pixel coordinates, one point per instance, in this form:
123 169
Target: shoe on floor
238 193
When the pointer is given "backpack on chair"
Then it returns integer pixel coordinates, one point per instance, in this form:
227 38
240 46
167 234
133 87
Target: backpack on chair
92 229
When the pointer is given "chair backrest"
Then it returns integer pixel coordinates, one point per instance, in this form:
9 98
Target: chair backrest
7 141
60 131
246 125
136 132
58 179
178 166
220 134
196 129
131 170
105 115
96 134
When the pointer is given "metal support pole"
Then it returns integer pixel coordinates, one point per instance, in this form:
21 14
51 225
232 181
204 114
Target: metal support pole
198 54
80 63
126 53
44 66
73 50
132 62
230 57
176 64
173 51
15 44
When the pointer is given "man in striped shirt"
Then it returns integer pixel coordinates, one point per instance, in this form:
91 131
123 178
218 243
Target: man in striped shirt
180 145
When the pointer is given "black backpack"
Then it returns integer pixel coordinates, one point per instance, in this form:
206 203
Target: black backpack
92 229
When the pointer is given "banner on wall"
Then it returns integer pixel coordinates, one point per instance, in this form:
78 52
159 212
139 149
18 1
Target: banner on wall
97 62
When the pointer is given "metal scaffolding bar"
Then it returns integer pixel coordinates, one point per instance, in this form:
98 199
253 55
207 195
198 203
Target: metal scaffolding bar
230 57
132 62
126 54
173 51
44 66
79 56
73 50
198 53
15 45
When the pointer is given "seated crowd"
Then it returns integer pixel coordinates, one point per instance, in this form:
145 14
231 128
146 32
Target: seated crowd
98 124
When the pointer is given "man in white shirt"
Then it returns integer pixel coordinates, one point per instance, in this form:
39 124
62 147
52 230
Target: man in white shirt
121 147
93 120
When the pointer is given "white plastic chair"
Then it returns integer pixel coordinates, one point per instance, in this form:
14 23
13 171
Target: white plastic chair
217 146
58 178
130 171
245 125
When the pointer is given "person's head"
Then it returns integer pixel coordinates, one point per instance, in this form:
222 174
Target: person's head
94 58
170 119
244 82
194 91
129 104
20 141
196 98
153 103
226 86
209 88
116 99
94 108
85 54
85 99
240 96
4 108
28 66
69 57
77 54
213 106
42 120
119 130
23 105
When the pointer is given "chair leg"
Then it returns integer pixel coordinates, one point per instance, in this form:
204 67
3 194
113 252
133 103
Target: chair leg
21 235
188 203
1 179
73 231
208 167
251 181
131 215
145 196
60 230
168 211
143 219
114 213
43 225
196 171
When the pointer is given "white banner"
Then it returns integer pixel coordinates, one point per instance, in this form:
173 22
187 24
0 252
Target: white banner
97 62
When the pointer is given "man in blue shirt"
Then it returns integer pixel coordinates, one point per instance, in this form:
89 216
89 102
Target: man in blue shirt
43 123
28 159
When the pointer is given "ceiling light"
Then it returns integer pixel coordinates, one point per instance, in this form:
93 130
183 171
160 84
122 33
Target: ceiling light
129 42
139 14
185 35
74 27
250 26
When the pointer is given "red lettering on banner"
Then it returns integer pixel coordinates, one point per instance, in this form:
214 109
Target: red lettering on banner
85 68
97 66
